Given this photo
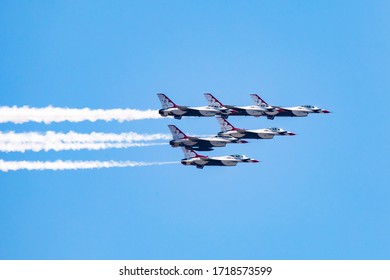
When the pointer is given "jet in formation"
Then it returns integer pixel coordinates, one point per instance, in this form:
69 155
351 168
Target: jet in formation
169 108
297 111
228 130
200 161
216 108
262 108
256 110
180 139
229 134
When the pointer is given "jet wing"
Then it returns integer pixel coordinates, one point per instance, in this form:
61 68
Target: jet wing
195 139
238 110
182 108
192 110
256 111
203 142
221 162
250 134
241 131
282 109
203 145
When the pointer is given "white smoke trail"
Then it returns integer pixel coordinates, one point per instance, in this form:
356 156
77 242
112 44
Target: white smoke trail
57 114
37 147
34 141
72 136
6 166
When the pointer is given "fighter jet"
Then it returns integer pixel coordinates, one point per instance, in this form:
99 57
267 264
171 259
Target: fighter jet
297 111
251 110
199 143
266 133
192 158
177 111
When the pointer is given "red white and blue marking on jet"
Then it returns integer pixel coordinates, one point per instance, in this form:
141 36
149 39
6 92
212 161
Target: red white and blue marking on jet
169 108
256 110
297 111
227 129
180 139
200 161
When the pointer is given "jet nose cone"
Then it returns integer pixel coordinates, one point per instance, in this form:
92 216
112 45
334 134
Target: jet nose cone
325 111
291 133
254 160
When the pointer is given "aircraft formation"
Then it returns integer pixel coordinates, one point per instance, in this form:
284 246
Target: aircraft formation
228 134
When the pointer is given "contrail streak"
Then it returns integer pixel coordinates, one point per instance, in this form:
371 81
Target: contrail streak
6 166
34 141
51 114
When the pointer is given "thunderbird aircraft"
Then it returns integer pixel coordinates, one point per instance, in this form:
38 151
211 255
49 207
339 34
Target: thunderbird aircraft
169 108
192 158
227 129
297 111
199 143
251 110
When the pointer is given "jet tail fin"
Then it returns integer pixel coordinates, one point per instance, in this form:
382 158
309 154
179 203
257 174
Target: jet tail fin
165 101
258 101
176 132
212 101
224 124
190 153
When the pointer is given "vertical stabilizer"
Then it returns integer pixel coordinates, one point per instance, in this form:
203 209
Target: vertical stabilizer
190 153
224 124
165 101
258 101
212 101
176 132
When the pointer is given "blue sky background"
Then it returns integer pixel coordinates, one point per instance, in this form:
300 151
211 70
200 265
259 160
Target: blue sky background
323 194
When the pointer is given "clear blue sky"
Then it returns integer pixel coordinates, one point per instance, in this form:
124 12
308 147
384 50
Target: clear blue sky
323 194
